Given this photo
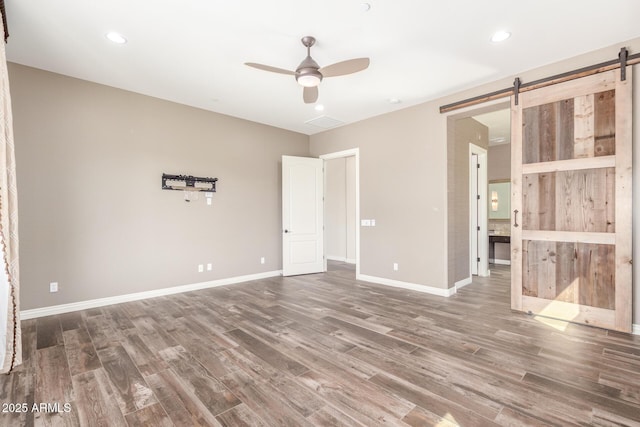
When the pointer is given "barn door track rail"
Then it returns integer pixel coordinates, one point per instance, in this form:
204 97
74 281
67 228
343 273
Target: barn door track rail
518 87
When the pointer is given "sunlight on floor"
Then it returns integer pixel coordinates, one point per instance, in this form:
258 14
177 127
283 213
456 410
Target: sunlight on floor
560 325
560 308
448 421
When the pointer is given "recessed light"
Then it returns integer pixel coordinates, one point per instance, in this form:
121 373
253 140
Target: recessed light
319 107
365 7
116 37
500 36
394 101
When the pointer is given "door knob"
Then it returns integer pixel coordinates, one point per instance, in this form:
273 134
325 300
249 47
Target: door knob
286 231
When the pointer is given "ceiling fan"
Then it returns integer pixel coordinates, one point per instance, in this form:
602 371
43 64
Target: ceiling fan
309 74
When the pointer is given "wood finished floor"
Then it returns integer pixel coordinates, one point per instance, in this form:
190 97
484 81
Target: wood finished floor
323 350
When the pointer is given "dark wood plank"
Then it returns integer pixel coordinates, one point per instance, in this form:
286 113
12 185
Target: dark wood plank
215 396
548 132
146 361
81 353
267 353
153 415
56 414
330 416
53 379
596 268
49 332
130 388
567 282
626 411
180 403
605 123
530 135
240 416
72 320
102 333
18 387
564 132
547 201
358 334
259 397
96 401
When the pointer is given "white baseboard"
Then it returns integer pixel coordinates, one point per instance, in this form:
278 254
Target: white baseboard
101 302
406 285
462 283
636 330
502 261
350 260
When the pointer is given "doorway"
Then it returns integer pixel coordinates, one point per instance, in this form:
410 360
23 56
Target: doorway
470 142
342 207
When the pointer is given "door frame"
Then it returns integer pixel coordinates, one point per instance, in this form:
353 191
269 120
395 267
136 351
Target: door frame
353 152
452 117
478 217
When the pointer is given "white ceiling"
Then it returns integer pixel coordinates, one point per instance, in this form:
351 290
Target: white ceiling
499 124
193 51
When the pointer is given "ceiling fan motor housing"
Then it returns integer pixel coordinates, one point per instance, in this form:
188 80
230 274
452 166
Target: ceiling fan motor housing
307 73
308 77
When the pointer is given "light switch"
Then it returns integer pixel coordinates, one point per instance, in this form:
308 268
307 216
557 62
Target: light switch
373 222
365 222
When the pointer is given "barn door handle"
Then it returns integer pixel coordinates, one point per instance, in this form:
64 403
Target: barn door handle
515 218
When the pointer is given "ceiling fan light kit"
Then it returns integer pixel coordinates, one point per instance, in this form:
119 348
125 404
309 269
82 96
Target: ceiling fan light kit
309 74
309 78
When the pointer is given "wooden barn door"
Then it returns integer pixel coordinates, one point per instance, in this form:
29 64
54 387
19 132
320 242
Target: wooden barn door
571 201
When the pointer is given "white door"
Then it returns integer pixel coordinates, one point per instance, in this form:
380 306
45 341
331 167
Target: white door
302 215
473 207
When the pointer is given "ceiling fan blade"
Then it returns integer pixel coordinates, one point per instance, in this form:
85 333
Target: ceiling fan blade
310 94
345 67
269 68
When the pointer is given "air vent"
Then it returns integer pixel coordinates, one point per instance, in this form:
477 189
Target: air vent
324 122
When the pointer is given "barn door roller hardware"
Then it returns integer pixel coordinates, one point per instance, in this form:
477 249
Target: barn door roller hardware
188 183
623 60
623 55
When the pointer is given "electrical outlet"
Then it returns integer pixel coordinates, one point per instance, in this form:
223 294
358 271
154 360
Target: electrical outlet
209 267
262 260
53 287
200 268
395 266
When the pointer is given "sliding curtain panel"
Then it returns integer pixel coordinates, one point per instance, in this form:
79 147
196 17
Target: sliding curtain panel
10 336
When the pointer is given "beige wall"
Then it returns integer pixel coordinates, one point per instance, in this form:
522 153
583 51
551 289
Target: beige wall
340 212
92 214
499 162
335 209
350 205
466 131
